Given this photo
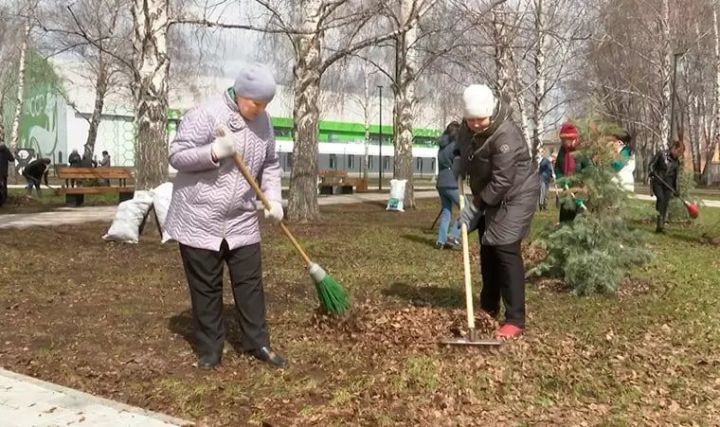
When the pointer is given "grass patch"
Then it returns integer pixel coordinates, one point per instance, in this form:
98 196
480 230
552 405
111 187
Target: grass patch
121 327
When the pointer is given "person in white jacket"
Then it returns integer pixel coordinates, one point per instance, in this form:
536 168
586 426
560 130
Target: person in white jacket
624 164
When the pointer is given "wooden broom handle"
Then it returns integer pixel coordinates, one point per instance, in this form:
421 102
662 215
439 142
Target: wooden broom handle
249 178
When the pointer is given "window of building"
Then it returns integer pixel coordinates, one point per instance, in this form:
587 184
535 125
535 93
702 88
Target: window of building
333 161
350 161
283 132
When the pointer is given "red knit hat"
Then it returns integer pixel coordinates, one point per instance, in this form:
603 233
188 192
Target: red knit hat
568 131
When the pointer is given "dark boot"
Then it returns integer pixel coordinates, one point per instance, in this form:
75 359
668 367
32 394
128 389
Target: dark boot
268 355
209 361
660 224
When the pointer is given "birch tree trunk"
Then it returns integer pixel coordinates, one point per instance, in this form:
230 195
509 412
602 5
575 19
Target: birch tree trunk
520 97
539 95
101 88
150 90
302 203
366 117
2 119
666 56
712 145
502 53
15 130
405 101
695 133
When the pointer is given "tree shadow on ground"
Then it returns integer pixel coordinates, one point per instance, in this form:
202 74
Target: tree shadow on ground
182 324
420 239
427 296
684 236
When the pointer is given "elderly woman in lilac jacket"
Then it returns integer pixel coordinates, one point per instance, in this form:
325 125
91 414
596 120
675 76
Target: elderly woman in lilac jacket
213 212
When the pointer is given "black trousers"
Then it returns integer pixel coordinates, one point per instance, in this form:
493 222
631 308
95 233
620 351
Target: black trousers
204 271
663 196
32 182
567 215
503 275
3 190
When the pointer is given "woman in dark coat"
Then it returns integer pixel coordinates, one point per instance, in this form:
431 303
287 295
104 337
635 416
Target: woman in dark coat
664 168
505 188
6 157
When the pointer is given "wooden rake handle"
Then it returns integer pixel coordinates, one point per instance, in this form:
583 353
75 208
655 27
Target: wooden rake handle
250 179
466 262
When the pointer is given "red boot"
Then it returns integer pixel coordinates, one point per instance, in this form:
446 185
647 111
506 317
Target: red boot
508 332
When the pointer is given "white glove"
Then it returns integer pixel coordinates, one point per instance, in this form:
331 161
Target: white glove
223 146
275 214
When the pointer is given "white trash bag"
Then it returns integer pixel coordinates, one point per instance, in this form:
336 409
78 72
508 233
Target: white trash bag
627 175
162 196
397 195
129 216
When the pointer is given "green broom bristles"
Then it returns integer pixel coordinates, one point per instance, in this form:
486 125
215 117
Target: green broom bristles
332 296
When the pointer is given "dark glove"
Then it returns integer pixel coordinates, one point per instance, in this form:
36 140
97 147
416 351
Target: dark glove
470 216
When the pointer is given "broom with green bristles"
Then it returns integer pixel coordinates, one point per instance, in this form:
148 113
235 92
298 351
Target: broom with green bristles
332 296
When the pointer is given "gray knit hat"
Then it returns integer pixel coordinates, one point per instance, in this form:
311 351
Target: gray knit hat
256 82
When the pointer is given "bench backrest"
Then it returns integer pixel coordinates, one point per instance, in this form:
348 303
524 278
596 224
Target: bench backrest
67 172
329 173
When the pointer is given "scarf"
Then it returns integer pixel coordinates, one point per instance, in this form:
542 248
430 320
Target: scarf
568 166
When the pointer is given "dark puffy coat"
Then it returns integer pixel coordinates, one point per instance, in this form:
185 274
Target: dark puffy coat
502 175
664 166
545 170
5 158
37 169
446 157
74 159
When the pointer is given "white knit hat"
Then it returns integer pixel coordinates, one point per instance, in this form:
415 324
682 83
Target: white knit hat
479 101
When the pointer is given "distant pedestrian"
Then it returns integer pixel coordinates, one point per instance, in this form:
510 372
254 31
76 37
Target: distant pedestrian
545 170
105 162
447 187
5 158
34 173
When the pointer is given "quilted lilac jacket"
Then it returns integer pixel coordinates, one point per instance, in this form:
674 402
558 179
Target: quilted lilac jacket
212 202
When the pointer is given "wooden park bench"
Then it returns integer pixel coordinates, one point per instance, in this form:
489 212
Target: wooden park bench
338 182
75 194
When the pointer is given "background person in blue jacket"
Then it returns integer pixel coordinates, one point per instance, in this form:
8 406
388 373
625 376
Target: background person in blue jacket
447 188
545 169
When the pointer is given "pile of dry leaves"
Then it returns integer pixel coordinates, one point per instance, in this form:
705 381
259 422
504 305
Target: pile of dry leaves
408 327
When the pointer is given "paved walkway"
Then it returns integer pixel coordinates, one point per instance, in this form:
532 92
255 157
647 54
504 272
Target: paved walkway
107 213
26 401
708 203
